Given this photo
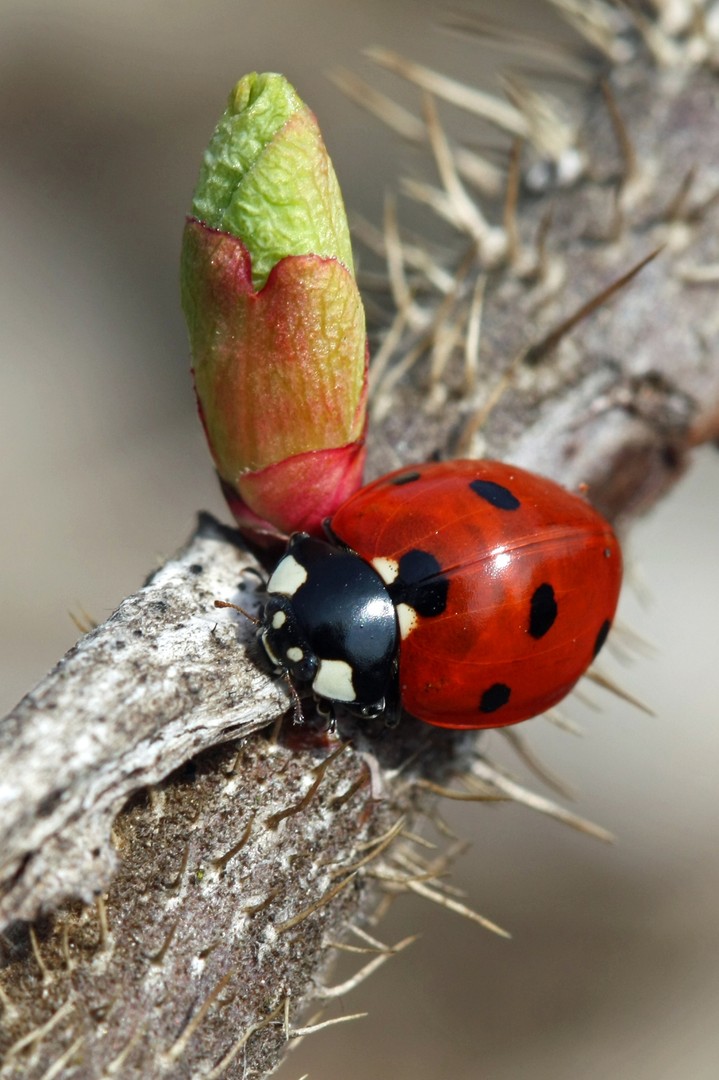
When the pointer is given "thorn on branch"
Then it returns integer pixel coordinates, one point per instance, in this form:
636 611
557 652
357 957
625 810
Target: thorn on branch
536 353
296 808
295 920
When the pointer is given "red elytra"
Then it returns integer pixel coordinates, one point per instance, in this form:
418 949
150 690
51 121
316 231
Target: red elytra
505 586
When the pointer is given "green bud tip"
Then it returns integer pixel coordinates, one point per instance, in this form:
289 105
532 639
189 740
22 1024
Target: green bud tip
267 178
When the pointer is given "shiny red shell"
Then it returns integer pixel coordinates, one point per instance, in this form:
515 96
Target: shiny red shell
527 575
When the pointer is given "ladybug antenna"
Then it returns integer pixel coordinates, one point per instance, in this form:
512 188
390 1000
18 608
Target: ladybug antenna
235 607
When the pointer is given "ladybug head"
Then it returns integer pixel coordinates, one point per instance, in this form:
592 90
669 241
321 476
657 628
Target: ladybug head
329 623
285 641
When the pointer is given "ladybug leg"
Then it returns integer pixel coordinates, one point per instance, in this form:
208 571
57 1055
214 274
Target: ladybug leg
393 703
298 716
326 710
332 537
327 529
295 539
252 571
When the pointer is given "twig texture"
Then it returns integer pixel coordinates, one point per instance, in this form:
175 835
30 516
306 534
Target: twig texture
184 934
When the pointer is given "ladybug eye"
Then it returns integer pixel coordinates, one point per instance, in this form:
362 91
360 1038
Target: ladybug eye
301 667
287 649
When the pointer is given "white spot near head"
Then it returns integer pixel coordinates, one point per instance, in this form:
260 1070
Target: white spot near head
278 619
388 569
295 654
288 577
268 649
407 620
334 681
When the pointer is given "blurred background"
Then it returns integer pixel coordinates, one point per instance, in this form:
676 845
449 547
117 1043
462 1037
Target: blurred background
613 968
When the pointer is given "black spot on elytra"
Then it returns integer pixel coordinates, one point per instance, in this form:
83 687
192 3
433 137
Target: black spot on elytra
494 698
420 583
542 610
601 636
405 478
495 494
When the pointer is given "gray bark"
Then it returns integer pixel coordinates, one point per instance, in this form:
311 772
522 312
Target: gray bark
174 878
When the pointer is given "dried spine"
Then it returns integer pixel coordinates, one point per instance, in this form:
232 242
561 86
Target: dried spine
228 886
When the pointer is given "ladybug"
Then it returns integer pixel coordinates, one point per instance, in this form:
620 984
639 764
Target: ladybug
471 594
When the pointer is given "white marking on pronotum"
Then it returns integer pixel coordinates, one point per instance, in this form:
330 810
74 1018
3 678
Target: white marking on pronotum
295 654
407 620
334 681
278 619
288 577
388 569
